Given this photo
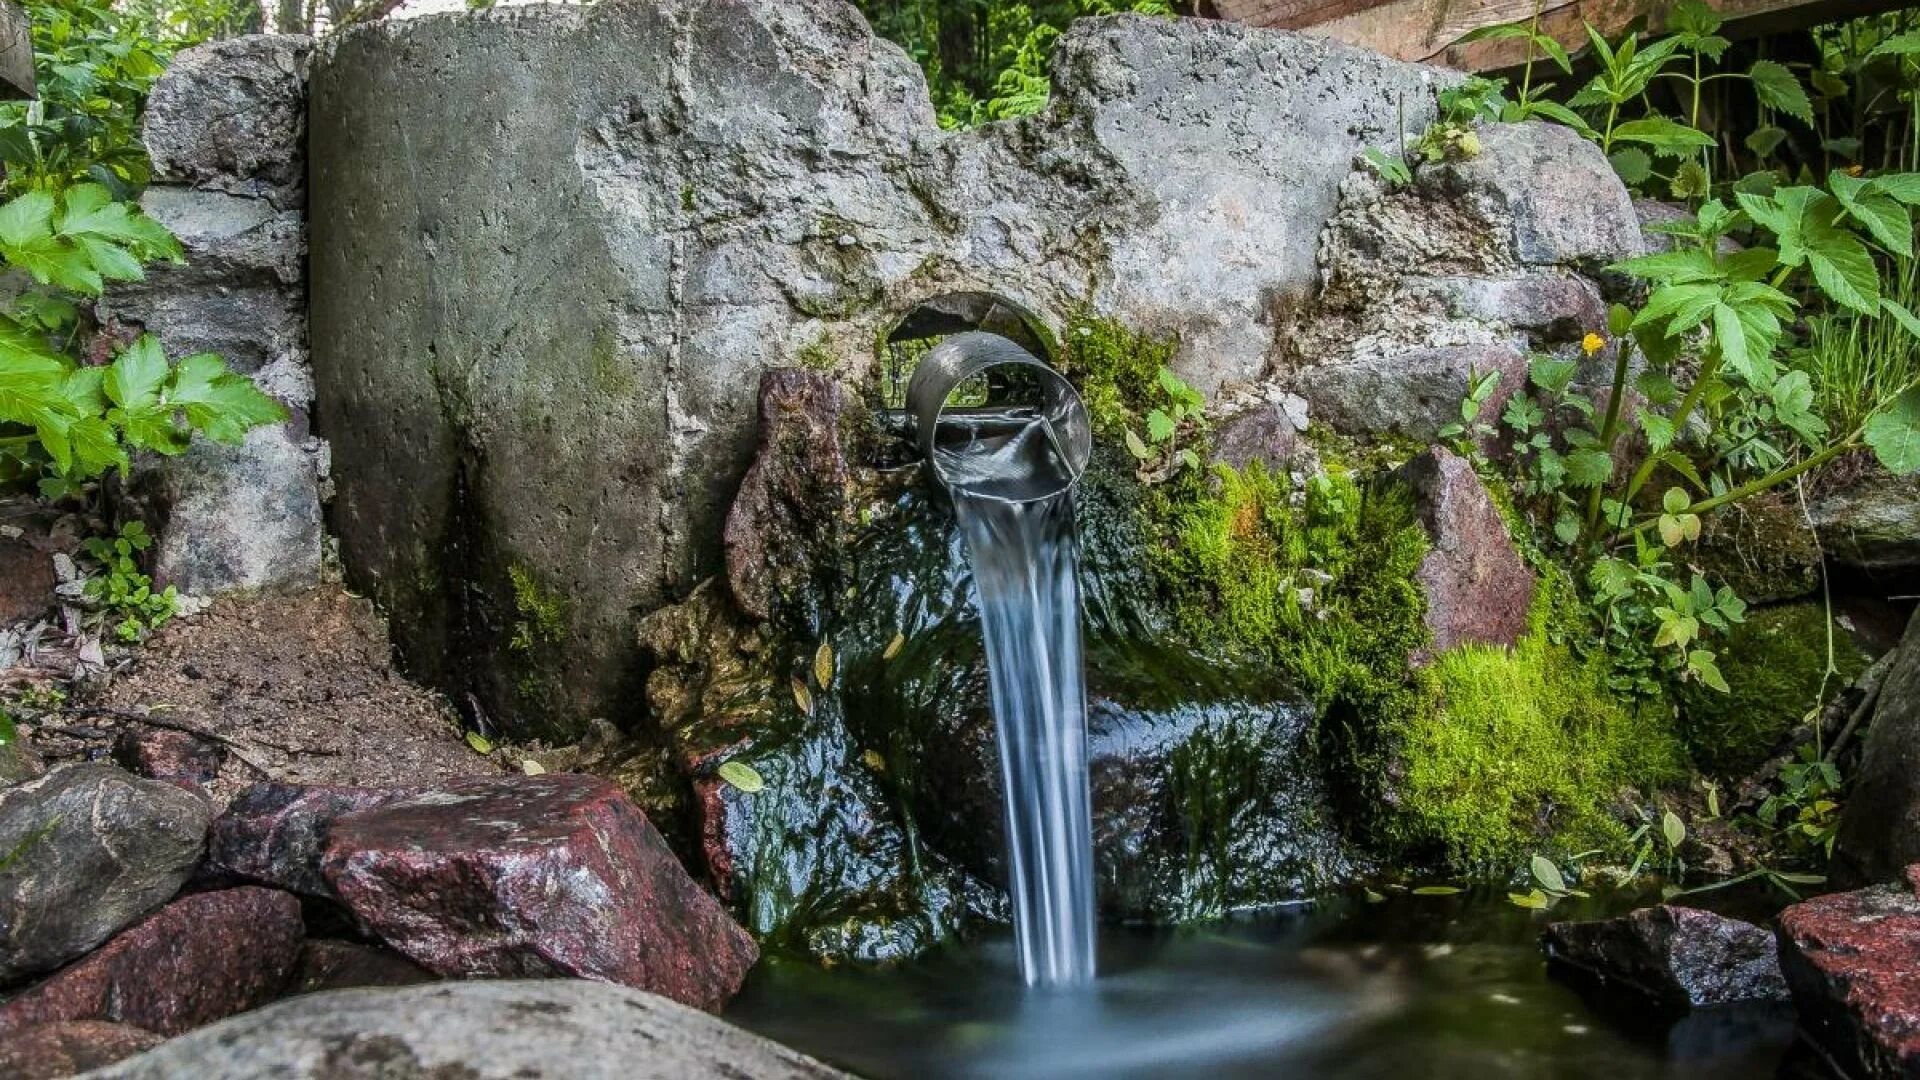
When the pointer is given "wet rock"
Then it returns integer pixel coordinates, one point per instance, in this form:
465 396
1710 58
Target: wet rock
1268 432
1678 958
1872 524
793 496
90 848
231 115
1850 959
1479 590
173 757
344 965
53 1051
1880 826
796 197
19 763
200 958
1583 215
1411 390
584 1030
535 876
275 833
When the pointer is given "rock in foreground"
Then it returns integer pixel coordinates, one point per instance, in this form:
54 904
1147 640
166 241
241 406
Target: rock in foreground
199 959
89 850
51 1051
477 1031
536 876
1677 957
1853 960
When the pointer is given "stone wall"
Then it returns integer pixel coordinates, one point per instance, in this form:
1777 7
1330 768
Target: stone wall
226 129
554 248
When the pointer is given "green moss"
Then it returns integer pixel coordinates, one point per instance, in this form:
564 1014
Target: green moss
817 356
539 616
1117 369
1517 746
1776 667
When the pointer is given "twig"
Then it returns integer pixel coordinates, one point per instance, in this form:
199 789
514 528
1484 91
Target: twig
238 748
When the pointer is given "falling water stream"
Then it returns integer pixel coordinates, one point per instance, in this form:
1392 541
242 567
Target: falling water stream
1012 493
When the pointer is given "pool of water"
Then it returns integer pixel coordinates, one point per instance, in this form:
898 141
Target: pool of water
1412 987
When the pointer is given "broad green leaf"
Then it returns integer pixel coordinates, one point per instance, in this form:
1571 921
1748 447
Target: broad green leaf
1548 875
1674 500
1907 44
1845 271
1589 467
1137 448
1907 320
1667 138
1658 429
743 776
1550 373
1673 829
480 743
1777 88
1437 890
96 448
217 402
1763 141
1686 266
1904 187
1631 164
27 220
1534 900
1894 434
133 380
1160 426
1885 218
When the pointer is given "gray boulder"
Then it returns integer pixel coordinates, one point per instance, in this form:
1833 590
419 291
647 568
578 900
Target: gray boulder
477 1030
88 849
1880 826
1554 190
1872 524
1411 391
226 128
539 371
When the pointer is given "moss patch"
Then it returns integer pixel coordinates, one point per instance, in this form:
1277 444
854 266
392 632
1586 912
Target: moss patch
1775 664
1117 369
539 616
1513 746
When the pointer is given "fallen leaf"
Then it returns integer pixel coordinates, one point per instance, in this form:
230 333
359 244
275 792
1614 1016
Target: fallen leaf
533 768
823 665
893 647
480 743
874 760
802 696
742 775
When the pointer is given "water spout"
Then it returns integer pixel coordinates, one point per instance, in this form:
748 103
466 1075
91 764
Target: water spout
1007 437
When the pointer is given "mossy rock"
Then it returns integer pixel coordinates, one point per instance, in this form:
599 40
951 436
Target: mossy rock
1776 666
1761 548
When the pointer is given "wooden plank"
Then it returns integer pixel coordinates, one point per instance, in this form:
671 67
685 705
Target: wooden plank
1430 30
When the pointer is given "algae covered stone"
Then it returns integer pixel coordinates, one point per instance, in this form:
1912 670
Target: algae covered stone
1775 664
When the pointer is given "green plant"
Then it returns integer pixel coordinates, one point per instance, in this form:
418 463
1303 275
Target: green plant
1173 427
1549 886
1805 812
119 592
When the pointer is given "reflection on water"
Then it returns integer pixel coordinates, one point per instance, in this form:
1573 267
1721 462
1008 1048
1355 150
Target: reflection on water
1415 987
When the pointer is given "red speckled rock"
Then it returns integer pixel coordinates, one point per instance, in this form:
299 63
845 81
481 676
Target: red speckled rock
274 833
1479 590
1853 961
519 876
197 960
172 757
52 1051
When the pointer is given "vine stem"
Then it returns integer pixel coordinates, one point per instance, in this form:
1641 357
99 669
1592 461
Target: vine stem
1610 428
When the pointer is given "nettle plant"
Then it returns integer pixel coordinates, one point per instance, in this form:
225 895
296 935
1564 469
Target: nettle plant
1700 411
1174 427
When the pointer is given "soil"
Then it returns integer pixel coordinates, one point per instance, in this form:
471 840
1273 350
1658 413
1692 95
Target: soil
298 688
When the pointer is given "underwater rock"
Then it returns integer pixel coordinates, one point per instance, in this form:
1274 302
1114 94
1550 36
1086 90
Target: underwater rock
1479 590
1880 825
68 1048
1678 958
548 366
172 757
275 833
1850 959
515 876
581 1029
90 849
197 960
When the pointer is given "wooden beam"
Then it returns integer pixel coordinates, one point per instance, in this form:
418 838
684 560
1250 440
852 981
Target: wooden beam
1430 30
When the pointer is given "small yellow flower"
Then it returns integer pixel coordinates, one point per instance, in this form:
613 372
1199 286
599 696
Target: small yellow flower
1592 343
1854 170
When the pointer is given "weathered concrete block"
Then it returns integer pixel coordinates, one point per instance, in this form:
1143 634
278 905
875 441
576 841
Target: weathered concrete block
554 248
